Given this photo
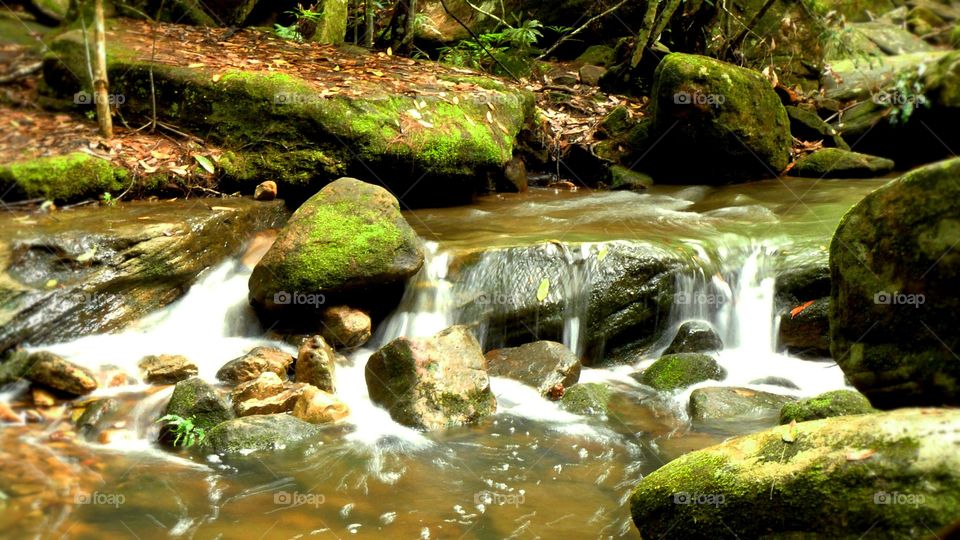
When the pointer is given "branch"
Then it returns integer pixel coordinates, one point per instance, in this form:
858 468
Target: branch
643 36
590 21
480 10
734 43
477 39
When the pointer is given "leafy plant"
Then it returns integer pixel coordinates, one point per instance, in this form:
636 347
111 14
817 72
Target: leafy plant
305 17
287 32
905 97
108 199
184 429
514 47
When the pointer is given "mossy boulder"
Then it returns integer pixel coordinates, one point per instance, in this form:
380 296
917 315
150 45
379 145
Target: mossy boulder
432 383
61 178
826 405
348 244
727 116
675 371
839 163
590 399
597 55
893 303
724 402
807 332
264 432
622 178
198 402
897 473
695 337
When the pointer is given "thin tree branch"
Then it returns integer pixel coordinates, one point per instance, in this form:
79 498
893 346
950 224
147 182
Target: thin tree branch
477 39
590 21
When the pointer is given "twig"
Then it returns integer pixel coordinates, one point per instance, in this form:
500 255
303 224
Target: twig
734 43
477 39
21 72
590 21
480 10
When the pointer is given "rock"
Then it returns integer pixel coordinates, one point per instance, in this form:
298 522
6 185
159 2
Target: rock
838 163
542 365
515 176
622 178
776 381
808 332
319 407
432 383
826 405
266 191
729 115
315 136
801 284
256 362
346 327
61 178
52 371
348 243
724 402
590 75
282 402
167 368
695 337
259 433
890 38
675 371
197 401
588 399
268 384
42 398
808 126
897 471
597 55
96 417
893 307
316 363
561 77
110 266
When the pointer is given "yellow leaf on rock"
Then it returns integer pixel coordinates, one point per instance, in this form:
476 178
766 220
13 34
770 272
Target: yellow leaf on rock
543 290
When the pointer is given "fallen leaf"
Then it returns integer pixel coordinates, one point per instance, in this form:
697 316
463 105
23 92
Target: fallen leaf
602 253
796 311
790 435
543 290
196 65
415 114
87 255
744 392
860 455
217 76
205 162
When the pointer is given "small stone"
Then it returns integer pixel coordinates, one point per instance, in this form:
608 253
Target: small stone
167 368
344 326
42 398
316 362
266 385
590 74
319 407
259 360
282 402
266 191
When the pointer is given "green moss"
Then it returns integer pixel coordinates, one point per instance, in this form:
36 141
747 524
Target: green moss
587 399
296 168
675 371
61 178
836 403
839 163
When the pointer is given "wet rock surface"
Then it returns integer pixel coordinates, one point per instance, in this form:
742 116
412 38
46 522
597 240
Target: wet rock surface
542 365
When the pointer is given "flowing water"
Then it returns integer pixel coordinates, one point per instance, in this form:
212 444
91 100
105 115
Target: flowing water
531 470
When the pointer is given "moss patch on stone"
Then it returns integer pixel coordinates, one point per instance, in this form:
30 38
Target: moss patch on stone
61 178
839 163
587 399
827 405
675 371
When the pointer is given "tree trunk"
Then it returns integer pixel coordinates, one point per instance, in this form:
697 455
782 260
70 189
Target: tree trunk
401 26
100 83
368 16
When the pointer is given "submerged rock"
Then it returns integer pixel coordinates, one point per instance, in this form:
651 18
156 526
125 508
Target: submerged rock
258 361
695 337
895 472
893 307
197 401
52 371
542 365
96 417
348 243
432 383
167 368
839 163
259 433
728 402
316 363
346 327
674 371
589 399
727 116
826 405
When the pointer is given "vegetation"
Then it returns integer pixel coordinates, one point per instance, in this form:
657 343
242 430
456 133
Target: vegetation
186 433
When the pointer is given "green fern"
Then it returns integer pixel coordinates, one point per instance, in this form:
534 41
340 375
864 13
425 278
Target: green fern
184 429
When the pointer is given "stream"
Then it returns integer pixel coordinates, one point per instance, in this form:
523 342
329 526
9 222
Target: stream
532 470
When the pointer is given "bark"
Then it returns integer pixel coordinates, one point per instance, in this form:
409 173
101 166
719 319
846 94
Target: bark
100 83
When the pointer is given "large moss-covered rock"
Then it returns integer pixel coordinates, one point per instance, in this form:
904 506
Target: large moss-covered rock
826 405
722 402
432 383
674 371
346 244
94 270
61 178
893 305
897 473
589 399
260 433
442 142
728 116
197 401
839 163
542 365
